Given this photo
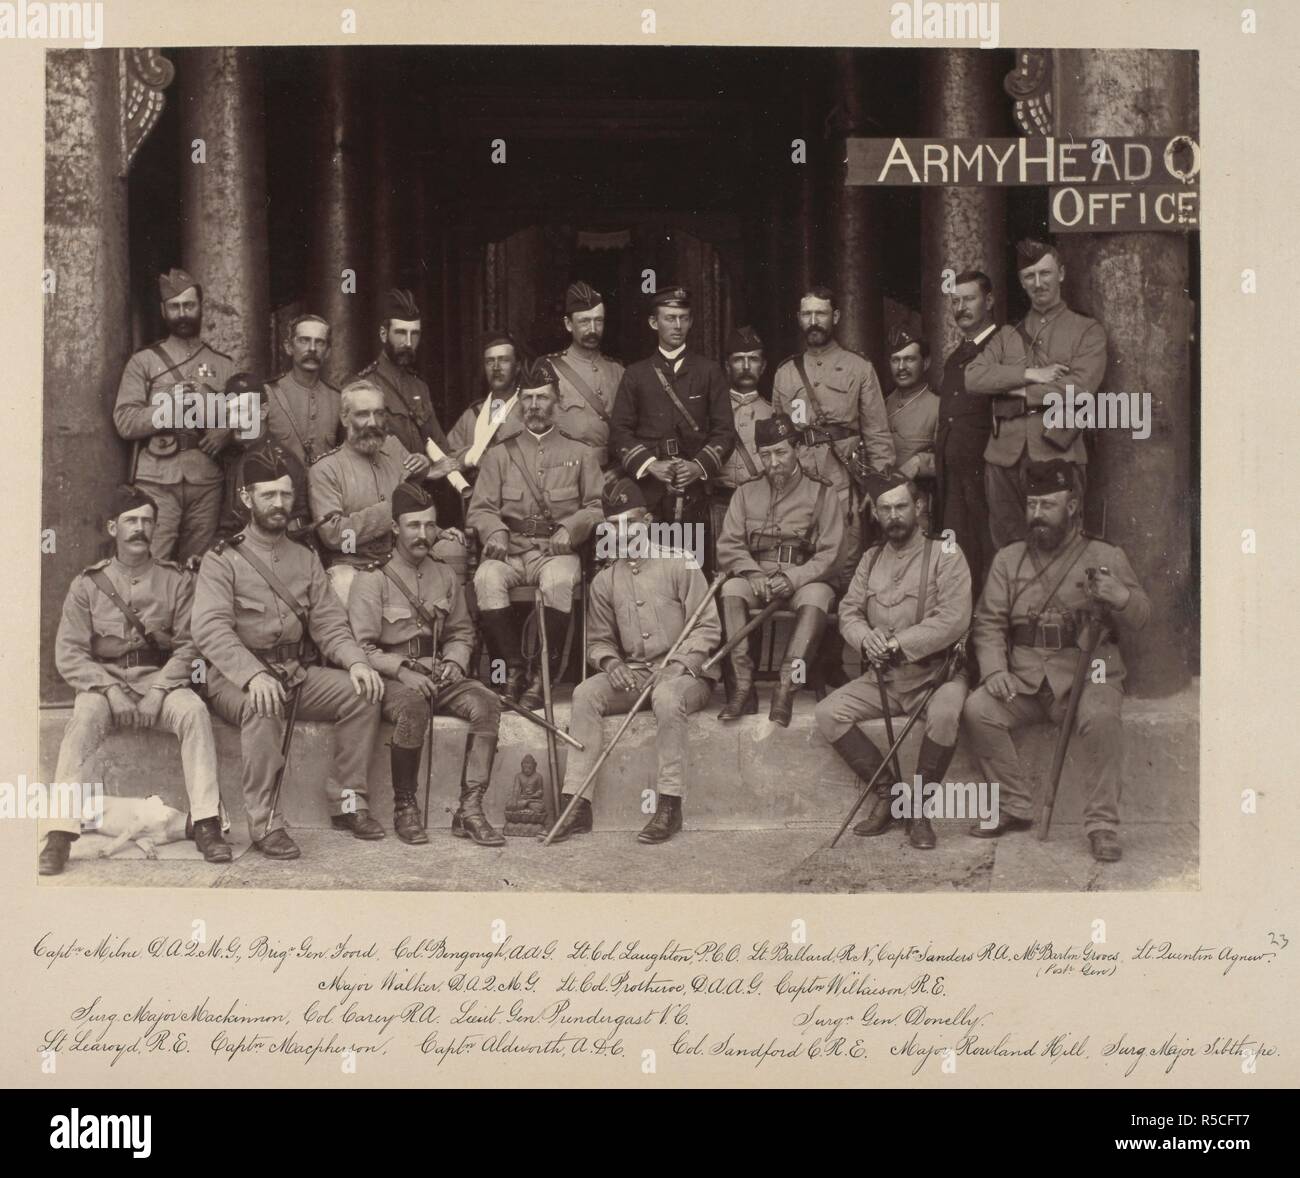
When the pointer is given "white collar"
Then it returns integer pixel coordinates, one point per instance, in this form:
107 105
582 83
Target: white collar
743 398
983 335
671 355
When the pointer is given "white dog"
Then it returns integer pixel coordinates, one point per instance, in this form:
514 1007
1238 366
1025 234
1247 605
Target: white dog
147 822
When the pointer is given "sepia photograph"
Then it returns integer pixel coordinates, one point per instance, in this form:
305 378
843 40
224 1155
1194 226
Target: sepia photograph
579 468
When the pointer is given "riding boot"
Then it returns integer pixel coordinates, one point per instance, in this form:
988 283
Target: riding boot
501 633
742 696
469 821
808 627
931 764
557 626
861 755
405 768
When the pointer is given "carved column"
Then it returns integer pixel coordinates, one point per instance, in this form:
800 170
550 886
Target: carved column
99 107
1135 284
223 223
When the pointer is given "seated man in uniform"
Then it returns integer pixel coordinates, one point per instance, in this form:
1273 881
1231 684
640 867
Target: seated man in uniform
639 608
124 644
260 603
537 499
411 618
908 603
1028 634
781 537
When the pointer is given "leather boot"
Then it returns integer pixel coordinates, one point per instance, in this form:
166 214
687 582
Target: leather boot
808 627
579 822
557 625
407 824
742 696
830 663
212 846
54 854
469 821
862 756
931 764
667 821
501 633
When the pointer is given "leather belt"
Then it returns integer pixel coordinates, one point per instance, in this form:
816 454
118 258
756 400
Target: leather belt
140 657
283 653
1047 635
782 553
421 646
532 527
821 435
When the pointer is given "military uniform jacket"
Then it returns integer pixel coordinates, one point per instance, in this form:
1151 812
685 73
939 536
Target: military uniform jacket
567 473
913 420
1016 591
381 615
887 600
303 421
146 375
1060 337
807 508
92 627
359 488
638 608
236 612
461 438
845 392
411 418
965 419
573 414
747 410
644 416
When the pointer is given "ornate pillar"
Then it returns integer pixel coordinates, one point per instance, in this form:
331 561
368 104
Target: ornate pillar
961 228
1135 284
99 106
856 269
338 234
223 199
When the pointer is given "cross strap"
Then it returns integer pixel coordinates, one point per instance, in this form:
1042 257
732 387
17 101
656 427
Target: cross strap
673 397
277 587
105 586
416 604
571 375
512 451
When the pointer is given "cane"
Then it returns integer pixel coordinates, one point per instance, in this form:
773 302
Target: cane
636 707
754 623
1067 724
889 720
548 710
519 709
953 663
290 715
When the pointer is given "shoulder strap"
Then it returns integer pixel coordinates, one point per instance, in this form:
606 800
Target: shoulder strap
277 587
817 515
105 586
416 603
168 364
871 564
925 581
1023 332
813 403
571 375
672 395
512 450
1059 580
743 451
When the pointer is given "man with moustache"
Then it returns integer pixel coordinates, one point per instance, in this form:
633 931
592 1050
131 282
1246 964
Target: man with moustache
965 423
351 487
412 620
1052 348
263 609
536 501
408 408
176 465
639 608
1030 628
124 645
588 379
744 363
908 603
492 417
781 538
672 427
302 408
913 407
833 394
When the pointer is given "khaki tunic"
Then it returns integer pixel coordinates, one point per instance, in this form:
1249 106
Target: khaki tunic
411 418
301 420
573 414
747 410
359 488
913 422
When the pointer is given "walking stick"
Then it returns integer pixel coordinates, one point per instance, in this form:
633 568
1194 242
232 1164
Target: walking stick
636 707
1097 617
552 749
519 709
953 663
428 768
290 715
889 720
745 631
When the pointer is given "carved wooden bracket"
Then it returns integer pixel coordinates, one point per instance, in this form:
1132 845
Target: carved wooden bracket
1030 85
143 75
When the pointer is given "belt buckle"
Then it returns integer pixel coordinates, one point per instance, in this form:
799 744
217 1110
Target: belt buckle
785 554
1051 635
671 448
532 527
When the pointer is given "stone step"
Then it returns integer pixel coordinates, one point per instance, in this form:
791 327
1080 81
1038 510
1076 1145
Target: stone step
748 774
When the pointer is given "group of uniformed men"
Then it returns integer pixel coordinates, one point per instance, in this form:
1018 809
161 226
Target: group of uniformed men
336 587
